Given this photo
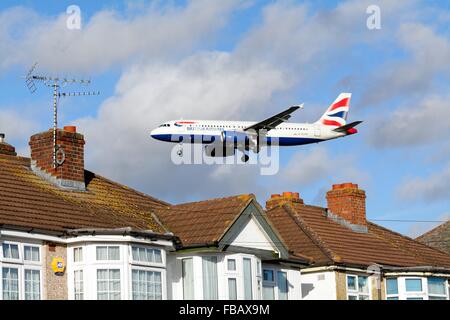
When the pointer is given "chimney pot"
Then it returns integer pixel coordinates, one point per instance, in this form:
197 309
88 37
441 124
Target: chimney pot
72 129
279 199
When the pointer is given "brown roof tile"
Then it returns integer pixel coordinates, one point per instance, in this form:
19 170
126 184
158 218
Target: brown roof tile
29 201
203 222
307 230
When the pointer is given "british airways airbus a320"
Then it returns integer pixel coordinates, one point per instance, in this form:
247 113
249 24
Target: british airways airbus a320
223 138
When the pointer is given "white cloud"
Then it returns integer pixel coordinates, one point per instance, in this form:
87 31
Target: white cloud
18 129
108 39
424 122
308 167
432 188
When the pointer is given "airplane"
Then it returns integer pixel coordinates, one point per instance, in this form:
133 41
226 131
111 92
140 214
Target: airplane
223 138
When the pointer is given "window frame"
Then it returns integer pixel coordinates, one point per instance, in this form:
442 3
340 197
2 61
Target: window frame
394 296
83 287
31 262
109 267
21 277
107 261
19 249
356 293
150 269
446 289
146 263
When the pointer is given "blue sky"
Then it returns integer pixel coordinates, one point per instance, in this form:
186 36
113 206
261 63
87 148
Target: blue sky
159 60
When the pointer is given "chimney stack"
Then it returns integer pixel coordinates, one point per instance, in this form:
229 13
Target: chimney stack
6 148
347 202
280 199
69 172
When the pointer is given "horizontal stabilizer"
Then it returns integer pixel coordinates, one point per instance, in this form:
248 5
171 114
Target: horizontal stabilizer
347 126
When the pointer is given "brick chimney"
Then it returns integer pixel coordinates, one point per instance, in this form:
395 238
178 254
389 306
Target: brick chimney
347 204
6 148
280 199
69 171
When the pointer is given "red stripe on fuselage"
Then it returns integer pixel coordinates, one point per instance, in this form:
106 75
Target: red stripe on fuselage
331 123
343 103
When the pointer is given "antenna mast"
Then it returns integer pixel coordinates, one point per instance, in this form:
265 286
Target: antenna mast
56 83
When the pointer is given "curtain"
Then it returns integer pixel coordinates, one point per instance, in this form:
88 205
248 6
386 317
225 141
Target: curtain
282 285
436 286
10 280
102 253
232 289
188 279
10 251
248 279
78 284
268 292
210 289
32 285
31 253
113 253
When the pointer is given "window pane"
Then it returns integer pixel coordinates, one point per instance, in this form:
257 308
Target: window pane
363 284
268 293
392 286
351 283
78 285
10 251
436 286
113 253
413 284
135 253
146 285
437 298
10 282
108 284
210 290
188 279
102 253
352 297
282 285
32 285
232 264
392 298
158 256
268 275
232 289
248 295
414 298
78 254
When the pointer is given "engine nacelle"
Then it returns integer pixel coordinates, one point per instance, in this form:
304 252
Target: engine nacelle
219 150
238 138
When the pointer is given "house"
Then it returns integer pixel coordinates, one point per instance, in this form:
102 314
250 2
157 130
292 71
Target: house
353 258
438 237
72 234
229 251
69 233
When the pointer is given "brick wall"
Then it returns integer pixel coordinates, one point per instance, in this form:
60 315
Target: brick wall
54 286
348 202
72 145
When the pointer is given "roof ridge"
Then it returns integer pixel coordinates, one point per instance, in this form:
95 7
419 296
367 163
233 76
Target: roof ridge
310 233
442 225
243 196
406 238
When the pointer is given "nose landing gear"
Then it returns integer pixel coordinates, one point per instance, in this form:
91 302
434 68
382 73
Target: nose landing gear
180 150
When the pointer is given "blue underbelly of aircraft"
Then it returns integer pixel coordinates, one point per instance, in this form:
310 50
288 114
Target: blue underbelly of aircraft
207 139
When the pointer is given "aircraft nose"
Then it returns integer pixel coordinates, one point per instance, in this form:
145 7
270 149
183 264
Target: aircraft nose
153 133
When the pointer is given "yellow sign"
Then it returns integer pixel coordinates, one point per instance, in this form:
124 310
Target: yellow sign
58 265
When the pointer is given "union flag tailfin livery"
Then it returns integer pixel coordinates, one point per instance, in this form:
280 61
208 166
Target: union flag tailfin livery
223 138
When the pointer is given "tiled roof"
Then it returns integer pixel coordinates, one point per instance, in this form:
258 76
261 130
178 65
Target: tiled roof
28 201
203 222
438 237
307 230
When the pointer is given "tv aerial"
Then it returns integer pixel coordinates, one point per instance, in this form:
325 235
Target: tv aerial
56 83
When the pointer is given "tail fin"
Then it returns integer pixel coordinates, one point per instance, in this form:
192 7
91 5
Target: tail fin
336 114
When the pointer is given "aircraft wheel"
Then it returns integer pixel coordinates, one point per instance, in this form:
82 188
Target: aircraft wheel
245 158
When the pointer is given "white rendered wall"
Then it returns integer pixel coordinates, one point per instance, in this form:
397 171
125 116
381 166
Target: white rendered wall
319 286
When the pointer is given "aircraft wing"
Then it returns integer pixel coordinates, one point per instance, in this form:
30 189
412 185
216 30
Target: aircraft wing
274 121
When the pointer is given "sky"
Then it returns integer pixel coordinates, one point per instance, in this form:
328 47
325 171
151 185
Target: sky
155 61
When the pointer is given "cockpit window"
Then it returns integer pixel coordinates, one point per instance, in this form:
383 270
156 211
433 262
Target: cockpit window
165 125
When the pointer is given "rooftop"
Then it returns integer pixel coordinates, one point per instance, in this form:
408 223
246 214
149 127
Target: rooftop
31 202
309 230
